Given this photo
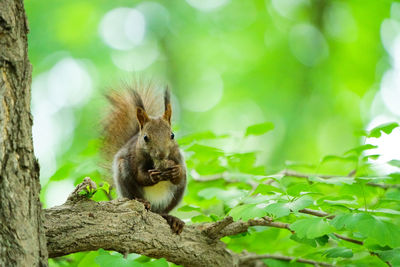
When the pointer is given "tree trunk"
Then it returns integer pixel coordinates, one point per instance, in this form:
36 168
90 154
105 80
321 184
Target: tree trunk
22 238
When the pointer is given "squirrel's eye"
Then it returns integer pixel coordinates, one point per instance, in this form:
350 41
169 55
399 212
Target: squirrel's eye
146 138
172 135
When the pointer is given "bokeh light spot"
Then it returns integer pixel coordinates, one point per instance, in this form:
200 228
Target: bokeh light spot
307 44
339 22
288 8
69 83
122 28
157 17
205 92
58 192
390 90
390 29
207 5
137 59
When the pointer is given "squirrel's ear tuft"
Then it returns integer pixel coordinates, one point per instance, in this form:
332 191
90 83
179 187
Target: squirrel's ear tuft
167 106
141 116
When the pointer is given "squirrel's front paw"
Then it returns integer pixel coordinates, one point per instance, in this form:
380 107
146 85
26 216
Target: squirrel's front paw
174 174
155 175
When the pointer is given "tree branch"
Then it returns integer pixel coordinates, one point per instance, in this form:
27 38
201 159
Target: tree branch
240 227
127 227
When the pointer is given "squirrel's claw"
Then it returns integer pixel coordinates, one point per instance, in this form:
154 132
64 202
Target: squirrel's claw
173 174
155 175
175 223
145 203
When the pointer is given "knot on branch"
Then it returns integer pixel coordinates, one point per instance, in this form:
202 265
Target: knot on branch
84 190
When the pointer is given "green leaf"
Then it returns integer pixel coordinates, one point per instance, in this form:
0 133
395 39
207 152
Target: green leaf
300 203
278 210
156 263
338 252
231 195
383 233
63 172
373 157
329 158
259 199
201 218
208 150
395 162
245 163
387 128
359 149
105 187
259 129
88 259
311 228
266 189
92 148
195 137
88 192
392 256
322 240
246 212
298 188
188 208
115 261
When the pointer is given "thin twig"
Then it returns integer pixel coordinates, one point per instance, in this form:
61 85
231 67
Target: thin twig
317 213
305 175
358 242
240 227
376 254
253 257
384 186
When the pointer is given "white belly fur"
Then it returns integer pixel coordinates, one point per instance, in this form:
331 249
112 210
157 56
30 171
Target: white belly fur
160 194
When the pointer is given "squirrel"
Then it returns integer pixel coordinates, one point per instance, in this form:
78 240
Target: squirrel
147 164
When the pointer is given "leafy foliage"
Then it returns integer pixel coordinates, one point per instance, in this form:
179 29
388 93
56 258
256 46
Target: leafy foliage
348 205
259 129
386 128
358 219
359 207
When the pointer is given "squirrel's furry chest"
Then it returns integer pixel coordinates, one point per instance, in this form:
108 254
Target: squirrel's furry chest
159 195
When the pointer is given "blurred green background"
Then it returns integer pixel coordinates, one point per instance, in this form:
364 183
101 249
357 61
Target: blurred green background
319 70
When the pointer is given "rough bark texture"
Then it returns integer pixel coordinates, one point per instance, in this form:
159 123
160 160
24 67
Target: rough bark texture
22 239
125 226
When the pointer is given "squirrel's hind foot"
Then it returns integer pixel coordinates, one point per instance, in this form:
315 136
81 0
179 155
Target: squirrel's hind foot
145 203
175 223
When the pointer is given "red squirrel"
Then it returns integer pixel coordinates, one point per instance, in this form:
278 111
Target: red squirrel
147 164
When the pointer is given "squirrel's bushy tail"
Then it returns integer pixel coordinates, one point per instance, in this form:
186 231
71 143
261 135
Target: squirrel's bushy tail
120 124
